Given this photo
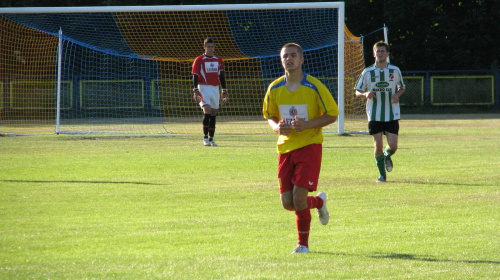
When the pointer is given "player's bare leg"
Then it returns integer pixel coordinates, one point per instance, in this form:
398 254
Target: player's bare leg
392 141
378 144
287 201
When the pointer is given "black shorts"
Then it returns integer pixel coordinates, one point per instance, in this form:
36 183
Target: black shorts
377 127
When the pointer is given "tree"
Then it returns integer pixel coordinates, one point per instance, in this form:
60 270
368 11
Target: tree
432 34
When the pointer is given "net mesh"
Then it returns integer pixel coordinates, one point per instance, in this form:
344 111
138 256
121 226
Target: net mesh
129 72
354 108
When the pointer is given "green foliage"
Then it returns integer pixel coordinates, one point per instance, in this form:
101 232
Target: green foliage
91 207
433 35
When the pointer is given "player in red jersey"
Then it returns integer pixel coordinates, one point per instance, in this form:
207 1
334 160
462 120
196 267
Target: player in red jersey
208 75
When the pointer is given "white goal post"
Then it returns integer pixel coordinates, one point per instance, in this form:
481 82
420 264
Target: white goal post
126 69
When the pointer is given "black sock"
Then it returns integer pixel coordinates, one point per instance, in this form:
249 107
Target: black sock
206 124
211 127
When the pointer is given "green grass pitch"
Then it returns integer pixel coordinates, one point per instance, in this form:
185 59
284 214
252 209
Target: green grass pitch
97 207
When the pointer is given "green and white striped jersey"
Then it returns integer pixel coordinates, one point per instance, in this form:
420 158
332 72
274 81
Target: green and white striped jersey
385 83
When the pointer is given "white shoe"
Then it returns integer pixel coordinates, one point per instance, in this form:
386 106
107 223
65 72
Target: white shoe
212 143
388 164
206 142
300 249
323 214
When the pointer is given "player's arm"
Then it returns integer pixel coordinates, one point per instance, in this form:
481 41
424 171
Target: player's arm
222 79
366 94
270 111
361 86
197 97
400 88
195 80
395 97
363 93
195 70
329 112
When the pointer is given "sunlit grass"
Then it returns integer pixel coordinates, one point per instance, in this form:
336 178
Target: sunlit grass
98 207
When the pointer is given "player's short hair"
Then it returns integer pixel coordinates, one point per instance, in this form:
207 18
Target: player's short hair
381 44
208 41
294 45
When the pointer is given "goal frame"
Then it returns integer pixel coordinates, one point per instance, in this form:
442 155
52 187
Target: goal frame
276 6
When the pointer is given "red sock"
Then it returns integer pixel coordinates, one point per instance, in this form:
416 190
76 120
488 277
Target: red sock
303 221
314 202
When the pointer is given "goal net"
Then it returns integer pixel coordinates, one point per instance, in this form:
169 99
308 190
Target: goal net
128 69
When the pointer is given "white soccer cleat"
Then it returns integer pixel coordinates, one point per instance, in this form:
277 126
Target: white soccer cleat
388 164
300 249
323 214
212 143
206 142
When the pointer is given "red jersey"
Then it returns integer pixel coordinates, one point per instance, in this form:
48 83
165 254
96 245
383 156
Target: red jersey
208 69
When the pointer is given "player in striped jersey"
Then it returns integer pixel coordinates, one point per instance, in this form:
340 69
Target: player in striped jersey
297 106
382 85
208 74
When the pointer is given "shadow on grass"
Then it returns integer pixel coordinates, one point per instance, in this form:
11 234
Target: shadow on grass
426 259
441 183
80 182
410 257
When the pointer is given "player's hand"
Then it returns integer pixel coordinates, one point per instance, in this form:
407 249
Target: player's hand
283 128
370 95
197 97
395 99
299 124
225 97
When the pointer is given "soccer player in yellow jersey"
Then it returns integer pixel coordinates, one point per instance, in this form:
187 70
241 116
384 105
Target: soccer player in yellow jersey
297 106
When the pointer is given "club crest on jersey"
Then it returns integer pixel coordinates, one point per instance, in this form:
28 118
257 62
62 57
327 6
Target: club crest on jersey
292 111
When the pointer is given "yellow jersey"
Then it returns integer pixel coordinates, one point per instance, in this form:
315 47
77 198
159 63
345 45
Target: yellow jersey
310 101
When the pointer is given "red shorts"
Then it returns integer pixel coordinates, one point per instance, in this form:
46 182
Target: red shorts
300 168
